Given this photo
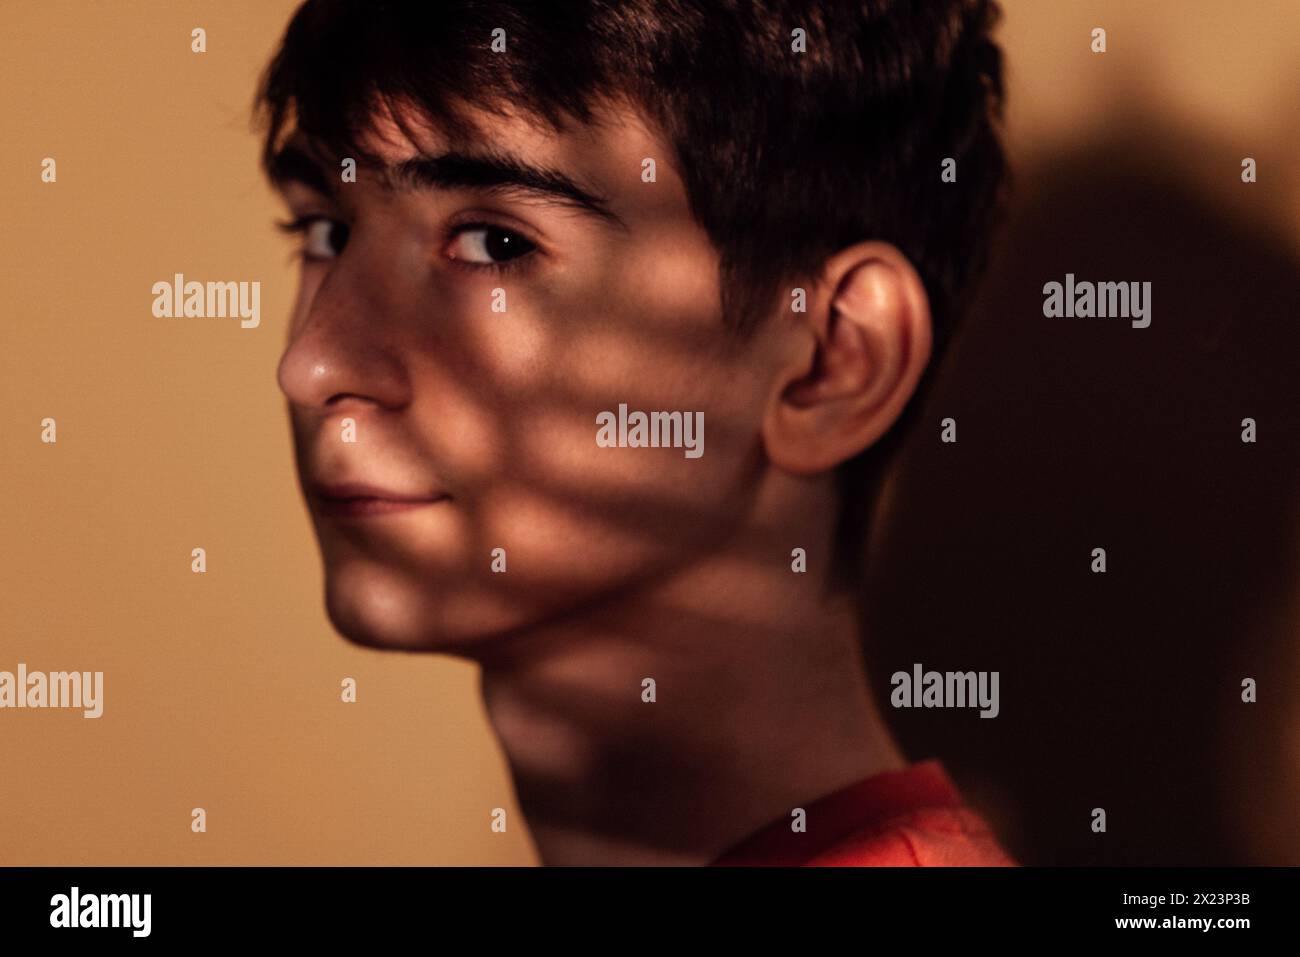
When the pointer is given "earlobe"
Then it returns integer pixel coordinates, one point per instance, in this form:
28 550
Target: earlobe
873 339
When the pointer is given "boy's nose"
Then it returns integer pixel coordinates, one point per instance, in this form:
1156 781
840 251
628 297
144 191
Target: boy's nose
340 350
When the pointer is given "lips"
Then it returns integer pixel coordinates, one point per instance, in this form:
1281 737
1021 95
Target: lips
357 500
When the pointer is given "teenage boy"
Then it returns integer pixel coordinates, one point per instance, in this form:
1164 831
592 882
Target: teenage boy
610 313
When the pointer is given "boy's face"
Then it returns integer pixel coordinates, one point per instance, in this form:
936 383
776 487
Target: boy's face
476 429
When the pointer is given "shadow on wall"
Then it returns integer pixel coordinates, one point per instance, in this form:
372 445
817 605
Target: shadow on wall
1120 690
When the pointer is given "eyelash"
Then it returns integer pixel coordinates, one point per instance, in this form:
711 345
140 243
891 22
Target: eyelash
300 224
298 227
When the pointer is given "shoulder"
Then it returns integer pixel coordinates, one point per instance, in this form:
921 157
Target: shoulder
927 837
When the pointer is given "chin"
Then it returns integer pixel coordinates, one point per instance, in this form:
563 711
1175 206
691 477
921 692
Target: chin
375 607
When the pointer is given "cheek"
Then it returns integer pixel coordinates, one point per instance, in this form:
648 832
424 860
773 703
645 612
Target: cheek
512 414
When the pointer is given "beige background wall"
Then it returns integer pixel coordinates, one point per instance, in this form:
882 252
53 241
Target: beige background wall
222 690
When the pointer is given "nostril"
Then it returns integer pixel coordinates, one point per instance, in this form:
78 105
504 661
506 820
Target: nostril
343 397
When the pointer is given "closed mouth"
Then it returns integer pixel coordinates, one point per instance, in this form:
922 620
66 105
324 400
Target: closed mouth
357 501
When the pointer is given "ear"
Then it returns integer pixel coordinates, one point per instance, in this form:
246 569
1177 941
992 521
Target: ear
856 357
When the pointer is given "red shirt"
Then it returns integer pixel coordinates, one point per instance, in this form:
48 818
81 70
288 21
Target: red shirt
908 818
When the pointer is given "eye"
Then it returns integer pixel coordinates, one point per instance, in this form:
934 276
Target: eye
485 245
322 238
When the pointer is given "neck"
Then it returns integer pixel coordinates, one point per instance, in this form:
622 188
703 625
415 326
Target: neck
760 706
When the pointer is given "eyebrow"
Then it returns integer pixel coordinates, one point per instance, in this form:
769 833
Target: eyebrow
452 170
497 172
